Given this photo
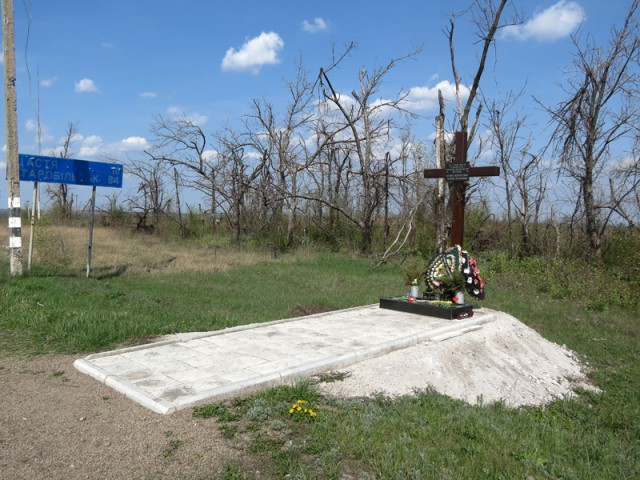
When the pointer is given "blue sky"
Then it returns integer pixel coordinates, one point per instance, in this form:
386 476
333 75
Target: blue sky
111 66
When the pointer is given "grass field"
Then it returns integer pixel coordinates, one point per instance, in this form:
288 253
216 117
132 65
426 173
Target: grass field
144 287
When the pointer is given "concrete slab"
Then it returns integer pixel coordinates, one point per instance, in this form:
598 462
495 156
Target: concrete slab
193 369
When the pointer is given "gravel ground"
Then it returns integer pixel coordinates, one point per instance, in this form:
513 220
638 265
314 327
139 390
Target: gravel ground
56 423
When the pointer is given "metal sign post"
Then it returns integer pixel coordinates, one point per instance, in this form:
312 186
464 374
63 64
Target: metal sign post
92 215
39 168
33 224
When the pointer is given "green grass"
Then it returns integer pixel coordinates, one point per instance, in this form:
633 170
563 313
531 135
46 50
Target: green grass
65 312
428 435
423 436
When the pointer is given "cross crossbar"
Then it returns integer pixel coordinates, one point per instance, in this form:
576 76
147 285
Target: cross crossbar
458 178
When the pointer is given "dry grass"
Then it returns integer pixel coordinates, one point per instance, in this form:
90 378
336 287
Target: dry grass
121 251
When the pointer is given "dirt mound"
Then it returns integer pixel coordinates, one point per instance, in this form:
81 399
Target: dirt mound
503 360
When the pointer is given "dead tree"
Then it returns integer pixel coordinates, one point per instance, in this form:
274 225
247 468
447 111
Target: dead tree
600 113
281 139
368 126
523 175
149 204
238 173
180 143
60 194
487 15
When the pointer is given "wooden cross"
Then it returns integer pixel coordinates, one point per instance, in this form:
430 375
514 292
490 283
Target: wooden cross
458 173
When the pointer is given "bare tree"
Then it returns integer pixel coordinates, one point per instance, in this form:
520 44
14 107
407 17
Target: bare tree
150 203
487 15
442 226
368 127
282 140
600 113
63 200
181 143
238 173
624 187
523 173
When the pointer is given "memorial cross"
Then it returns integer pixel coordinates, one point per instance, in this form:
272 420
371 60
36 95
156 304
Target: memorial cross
458 173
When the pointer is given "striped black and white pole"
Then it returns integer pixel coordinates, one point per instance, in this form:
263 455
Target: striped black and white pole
15 236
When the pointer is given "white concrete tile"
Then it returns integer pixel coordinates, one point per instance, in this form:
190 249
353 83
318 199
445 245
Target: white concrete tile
190 376
170 376
238 375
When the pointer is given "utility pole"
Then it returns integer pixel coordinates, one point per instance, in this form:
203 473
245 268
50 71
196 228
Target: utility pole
11 127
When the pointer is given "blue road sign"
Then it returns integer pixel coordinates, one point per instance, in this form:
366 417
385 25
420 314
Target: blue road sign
38 168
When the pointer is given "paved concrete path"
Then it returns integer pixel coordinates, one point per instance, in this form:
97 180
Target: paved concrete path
206 367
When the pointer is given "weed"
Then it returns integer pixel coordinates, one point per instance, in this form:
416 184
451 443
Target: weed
231 473
228 430
278 425
60 374
302 409
263 443
259 411
208 411
221 411
331 377
253 427
174 445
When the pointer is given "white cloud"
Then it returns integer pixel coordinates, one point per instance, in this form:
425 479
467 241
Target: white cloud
133 144
148 95
318 25
48 82
90 146
210 154
178 114
557 21
31 125
626 164
86 85
325 106
426 98
254 54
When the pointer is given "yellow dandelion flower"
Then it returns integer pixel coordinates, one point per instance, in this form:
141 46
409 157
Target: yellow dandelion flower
291 410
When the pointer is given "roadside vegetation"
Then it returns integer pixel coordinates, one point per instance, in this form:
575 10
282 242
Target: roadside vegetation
143 286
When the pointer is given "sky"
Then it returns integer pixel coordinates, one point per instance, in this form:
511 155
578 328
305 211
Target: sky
112 66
